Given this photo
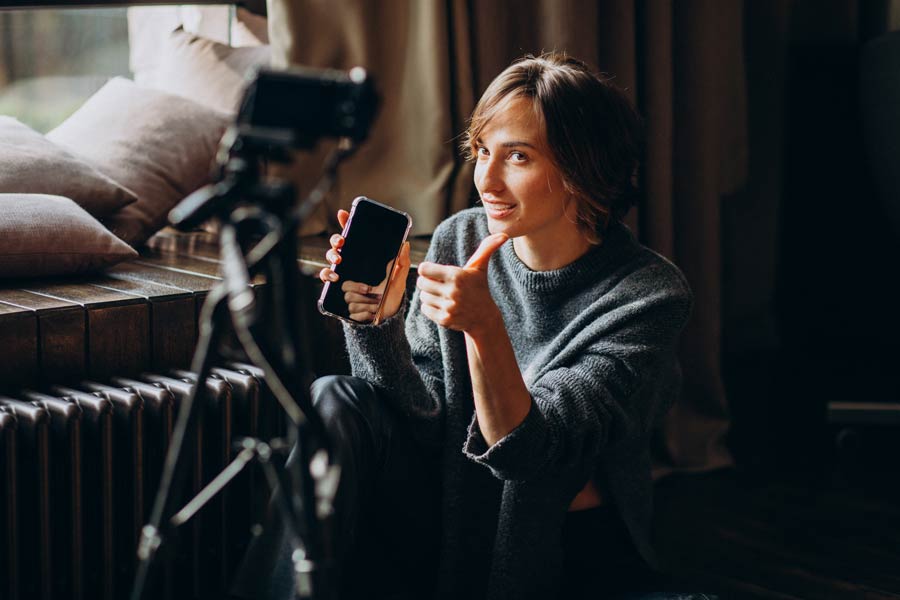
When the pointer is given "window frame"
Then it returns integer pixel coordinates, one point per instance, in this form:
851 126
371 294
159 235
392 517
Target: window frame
28 4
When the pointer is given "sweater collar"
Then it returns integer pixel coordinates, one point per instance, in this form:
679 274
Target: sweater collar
617 241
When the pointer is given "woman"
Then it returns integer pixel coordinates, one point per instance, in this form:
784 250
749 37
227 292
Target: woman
495 434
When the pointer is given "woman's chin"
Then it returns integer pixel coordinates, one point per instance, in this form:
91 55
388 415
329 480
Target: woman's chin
498 227
501 226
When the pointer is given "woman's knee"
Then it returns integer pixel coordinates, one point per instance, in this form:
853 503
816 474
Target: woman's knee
338 398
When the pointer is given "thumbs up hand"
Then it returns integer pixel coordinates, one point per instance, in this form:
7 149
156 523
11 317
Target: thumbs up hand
480 258
458 297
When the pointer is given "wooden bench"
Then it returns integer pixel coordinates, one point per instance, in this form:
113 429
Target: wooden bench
136 316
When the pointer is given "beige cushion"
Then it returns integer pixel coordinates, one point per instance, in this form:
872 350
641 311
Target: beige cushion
205 71
158 145
249 29
42 235
30 163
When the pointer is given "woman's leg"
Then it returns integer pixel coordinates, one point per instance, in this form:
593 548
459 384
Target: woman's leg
387 506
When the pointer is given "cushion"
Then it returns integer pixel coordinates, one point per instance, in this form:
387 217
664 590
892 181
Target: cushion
158 145
30 163
205 71
43 235
249 29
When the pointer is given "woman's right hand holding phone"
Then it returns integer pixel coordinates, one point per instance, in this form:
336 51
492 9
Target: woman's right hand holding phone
362 300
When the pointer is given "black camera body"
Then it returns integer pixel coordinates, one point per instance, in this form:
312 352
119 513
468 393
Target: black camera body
296 107
282 110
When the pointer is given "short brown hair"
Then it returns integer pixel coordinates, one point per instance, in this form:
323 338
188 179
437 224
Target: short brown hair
594 133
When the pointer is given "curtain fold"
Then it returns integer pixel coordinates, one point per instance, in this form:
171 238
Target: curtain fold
708 162
681 62
409 160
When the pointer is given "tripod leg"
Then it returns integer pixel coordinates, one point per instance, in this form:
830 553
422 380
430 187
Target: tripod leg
171 487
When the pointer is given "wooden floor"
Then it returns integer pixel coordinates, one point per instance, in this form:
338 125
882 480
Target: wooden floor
746 538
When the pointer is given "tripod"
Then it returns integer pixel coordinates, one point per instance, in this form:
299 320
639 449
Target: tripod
258 236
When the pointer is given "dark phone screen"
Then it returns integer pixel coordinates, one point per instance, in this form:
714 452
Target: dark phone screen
372 240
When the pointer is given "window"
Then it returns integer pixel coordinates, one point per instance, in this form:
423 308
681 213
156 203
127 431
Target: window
52 60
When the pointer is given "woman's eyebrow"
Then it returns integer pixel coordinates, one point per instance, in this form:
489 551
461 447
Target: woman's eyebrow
509 144
514 143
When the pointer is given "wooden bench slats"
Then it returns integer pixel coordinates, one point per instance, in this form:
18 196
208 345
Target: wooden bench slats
175 278
117 326
138 315
206 267
169 346
18 346
62 328
196 284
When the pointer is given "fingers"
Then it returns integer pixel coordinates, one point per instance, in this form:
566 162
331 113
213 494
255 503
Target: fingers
355 286
354 298
430 286
438 314
333 256
327 274
436 272
479 260
362 316
436 301
432 313
362 309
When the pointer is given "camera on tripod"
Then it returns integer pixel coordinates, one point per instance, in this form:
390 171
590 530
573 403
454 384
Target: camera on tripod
282 110
295 108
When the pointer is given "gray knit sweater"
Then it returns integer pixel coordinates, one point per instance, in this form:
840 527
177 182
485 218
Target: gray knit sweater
595 341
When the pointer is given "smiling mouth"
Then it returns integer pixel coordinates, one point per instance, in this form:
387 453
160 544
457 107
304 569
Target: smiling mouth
497 209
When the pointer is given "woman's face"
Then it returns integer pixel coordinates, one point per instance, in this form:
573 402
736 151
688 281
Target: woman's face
521 189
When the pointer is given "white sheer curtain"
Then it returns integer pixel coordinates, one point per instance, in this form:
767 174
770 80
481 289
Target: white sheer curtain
148 27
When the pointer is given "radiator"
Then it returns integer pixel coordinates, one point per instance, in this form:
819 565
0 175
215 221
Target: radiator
80 467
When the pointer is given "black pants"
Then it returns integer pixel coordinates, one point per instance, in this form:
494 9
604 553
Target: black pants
388 515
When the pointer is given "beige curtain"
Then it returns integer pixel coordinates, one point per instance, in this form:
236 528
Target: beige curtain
683 64
409 160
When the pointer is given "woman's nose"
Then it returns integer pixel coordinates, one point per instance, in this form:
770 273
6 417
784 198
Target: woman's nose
488 175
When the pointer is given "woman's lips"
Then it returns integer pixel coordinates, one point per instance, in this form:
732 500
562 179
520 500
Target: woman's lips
497 210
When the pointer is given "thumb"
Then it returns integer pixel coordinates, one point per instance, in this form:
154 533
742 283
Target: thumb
479 260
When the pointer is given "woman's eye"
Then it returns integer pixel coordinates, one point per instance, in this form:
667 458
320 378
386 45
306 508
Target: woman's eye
518 156
481 151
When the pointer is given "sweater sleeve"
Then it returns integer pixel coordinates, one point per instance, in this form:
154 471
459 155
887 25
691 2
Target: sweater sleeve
403 358
604 396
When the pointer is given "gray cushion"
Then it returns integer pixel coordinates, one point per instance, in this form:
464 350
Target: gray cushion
51 235
32 164
158 145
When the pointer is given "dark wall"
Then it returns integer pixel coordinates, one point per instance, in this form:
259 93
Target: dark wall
834 324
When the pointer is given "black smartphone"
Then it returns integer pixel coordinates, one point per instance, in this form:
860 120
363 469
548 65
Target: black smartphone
373 237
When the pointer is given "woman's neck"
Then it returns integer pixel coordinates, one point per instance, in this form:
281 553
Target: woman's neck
550 254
